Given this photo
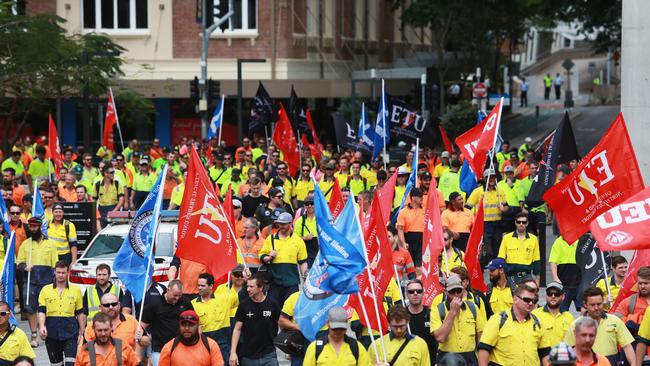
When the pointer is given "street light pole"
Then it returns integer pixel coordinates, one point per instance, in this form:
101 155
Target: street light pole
240 106
85 112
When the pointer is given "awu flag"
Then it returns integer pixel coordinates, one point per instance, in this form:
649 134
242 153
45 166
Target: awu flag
432 245
340 247
641 258
468 180
298 117
345 136
133 263
625 226
54 146
204 232
590 263
366 133
561 149
608 175
475 143
263 113
217 120
406 124
474 244
382 125
7 276
410 183
286 141
380 269
38 210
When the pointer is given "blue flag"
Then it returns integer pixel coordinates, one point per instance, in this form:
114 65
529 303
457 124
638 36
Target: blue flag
467 179
38 210
366 134
7 276
132 259
382 127
216 121
410 183
5 216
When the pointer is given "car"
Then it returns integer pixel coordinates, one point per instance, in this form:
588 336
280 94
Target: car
105 245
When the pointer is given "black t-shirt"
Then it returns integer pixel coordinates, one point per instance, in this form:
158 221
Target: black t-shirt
249 204
420 326
163 319
260 326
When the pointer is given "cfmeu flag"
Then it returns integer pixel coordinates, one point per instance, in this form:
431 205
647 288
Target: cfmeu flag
608 175
204 235
626 226
133 263
7 276
475 143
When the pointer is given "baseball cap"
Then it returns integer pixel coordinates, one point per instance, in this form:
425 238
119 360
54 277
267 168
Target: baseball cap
284 218
453 282
57 206
489 172
453 196
425 175
78 169
445 154
496 263
189 316
528 140
337 318
218 156
35 220
144 161
309 200
236 202
274 192
402 171
562 354
514 155
238 268
555 285
509 169
235 171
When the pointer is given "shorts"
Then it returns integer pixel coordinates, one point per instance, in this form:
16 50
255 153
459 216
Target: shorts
31 298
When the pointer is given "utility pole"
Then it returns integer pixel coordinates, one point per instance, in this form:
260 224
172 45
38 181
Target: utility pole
205 38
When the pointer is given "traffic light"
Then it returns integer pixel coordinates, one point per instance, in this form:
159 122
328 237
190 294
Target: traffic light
214 91
220 9
194 89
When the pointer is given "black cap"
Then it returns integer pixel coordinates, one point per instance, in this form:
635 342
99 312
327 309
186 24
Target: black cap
425 175
57 206
416 192
453 196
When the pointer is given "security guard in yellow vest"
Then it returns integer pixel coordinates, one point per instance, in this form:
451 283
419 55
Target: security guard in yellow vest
64 234
92 296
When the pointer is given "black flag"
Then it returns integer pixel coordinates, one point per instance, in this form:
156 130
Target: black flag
346 137
561 149
263 113
589 260
407 125
298 118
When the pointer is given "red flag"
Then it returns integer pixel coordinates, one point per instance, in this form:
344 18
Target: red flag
432 245
386 196
286 141
336 202
204 235
228 208
641 258
606 176
625 226
445 140
54 146
380 257
475 143
316 148
472 262
109 122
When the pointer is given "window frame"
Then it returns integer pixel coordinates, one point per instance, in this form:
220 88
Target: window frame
244 32
131 31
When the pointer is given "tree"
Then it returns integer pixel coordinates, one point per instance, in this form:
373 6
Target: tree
39 62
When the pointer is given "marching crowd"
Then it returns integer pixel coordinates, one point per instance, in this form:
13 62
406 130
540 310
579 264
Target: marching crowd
197 319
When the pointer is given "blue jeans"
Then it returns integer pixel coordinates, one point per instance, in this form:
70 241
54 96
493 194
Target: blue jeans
570 295
155 357
269 359
222 337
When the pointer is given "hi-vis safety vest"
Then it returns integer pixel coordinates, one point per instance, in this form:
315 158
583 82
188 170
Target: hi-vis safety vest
94 301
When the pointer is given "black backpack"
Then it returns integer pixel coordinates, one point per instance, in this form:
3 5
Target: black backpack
321 342
204 339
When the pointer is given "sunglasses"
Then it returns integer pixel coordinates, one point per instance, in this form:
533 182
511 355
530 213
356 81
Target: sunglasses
238 275
48 197
4 313
528 300
309 203
305 171
412 292
111 172
15 213
111 304
553 294
119 159
279 196
455 291
521 222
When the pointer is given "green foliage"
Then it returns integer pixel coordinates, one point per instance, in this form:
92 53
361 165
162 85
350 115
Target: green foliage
458 119
133 108
346 110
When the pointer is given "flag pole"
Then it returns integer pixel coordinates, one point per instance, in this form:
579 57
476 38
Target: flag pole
154 239
372 288
221 124
602 257
117 120
401 293
223 213
383 118
496 135
31 241
372 336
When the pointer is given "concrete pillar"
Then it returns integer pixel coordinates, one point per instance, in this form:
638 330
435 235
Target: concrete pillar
635 79
163 122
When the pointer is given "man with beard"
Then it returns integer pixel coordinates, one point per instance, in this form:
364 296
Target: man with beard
520 250
499 293
256 325
553 319
93 294
37 257
420 323
105 350
123 326
190 347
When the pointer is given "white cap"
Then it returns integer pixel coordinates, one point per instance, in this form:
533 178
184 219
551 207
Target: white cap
528 140
402 170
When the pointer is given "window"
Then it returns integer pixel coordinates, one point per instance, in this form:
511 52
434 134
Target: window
244 19
115 15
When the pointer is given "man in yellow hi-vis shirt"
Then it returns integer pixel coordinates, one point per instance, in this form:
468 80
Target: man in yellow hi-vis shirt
64 234
402 348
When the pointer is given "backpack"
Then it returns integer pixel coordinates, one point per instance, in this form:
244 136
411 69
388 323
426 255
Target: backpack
364 180
98 185
321 342
442 309
66 226
117 343
504 318
204 340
